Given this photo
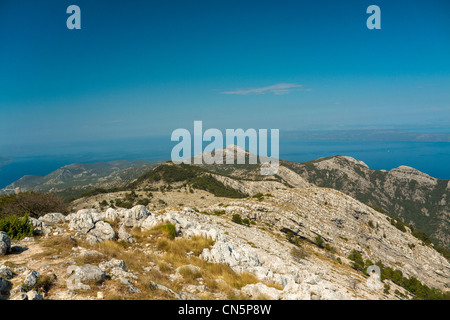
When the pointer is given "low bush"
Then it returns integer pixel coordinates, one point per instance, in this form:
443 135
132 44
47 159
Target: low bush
319 241
298 253
35 204
236 218
16 227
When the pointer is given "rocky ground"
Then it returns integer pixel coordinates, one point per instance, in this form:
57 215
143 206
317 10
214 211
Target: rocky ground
200 252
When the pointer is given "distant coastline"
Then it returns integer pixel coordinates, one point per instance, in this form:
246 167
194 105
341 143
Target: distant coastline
429 157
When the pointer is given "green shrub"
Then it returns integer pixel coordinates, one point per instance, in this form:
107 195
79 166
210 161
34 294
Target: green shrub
398 223
258 196
292 238
143 202
124 204
130 197
358 262
330 248
16 227
319 241
170 230
413 285
236 219
214 186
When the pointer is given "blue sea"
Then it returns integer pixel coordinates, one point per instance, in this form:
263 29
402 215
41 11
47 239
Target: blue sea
432 158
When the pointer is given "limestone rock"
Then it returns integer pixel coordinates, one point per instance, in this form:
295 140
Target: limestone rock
6 273
135 216
19 296
113 263
53 218
5 286
103 231
259 289
34 295
125 236
86 272
165 289
110 215
5 243
84 220
31 279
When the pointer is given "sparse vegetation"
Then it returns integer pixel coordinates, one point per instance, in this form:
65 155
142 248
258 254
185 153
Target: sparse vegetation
413 285
358 261
124 204
236 218
193 177
258 196
45 283
292 238
299 253
386 288
329 248
398 223
35 204
319 241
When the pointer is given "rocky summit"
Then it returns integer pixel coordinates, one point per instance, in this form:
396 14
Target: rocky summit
289 244
190 232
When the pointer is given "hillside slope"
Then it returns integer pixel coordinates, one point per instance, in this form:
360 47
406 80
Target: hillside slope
75 179
296 243
404 192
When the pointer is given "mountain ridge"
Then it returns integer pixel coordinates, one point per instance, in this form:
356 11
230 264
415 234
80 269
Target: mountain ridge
404 192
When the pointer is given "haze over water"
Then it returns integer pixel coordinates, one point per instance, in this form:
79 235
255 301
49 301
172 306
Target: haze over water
429 157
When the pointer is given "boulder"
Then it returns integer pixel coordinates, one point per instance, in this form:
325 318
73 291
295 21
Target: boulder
113 263
117 268
19 296
125 236
135 216
5 243
53 218
35 222
31 279
233 255
6 273
34 295
130 287
103 231
83 273
84 220
110 215
260 289
5 286
92 239
158 286
152 221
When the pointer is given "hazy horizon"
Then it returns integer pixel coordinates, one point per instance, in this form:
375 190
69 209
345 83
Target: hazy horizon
139 70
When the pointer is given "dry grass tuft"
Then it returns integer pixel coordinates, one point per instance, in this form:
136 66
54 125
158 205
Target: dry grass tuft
157 247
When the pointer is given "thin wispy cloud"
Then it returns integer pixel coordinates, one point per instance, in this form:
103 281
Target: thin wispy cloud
278 89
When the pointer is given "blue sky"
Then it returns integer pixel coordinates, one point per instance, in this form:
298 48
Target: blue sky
145 68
